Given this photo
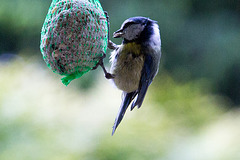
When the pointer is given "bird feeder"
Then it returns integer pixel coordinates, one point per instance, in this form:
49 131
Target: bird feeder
74 37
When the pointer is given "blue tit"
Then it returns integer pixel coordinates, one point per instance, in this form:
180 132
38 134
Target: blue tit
135 62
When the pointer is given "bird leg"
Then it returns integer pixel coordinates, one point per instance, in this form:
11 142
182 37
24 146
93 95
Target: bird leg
107 75
100 63
111 45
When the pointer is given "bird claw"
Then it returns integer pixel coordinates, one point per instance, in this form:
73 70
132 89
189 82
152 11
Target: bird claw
109 76
112 45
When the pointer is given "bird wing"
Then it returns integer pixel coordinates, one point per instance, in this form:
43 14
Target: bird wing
148 73
127 98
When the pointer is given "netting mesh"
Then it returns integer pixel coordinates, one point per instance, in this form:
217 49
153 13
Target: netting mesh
73 37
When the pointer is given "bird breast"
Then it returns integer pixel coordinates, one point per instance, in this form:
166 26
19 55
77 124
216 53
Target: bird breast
127 64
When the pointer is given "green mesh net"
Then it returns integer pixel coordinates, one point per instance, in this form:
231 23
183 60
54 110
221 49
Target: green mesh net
73 37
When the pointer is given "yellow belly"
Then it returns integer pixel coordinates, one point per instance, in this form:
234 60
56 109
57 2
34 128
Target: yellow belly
127 68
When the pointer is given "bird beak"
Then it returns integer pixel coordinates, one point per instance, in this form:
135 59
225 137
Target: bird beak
118 33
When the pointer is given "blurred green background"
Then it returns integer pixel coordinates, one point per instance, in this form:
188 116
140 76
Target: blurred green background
191 111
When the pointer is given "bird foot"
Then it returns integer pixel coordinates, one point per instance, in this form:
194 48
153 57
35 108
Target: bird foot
109 76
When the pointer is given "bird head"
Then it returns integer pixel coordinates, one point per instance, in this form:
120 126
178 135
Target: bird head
135 28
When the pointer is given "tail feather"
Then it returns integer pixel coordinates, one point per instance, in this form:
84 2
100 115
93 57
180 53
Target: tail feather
127 98
141 95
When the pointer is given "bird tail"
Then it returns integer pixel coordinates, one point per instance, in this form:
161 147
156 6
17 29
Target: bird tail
127 98
141 95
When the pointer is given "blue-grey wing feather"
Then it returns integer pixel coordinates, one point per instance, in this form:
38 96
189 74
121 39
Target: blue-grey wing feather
148 73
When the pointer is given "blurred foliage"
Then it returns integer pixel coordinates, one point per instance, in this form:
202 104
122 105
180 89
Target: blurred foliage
200 39
185 114
42 119
20 24
191 100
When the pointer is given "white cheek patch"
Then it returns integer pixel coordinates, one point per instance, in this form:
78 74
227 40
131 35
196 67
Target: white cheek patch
155 38
133 31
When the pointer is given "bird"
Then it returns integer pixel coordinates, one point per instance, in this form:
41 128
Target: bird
135 62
